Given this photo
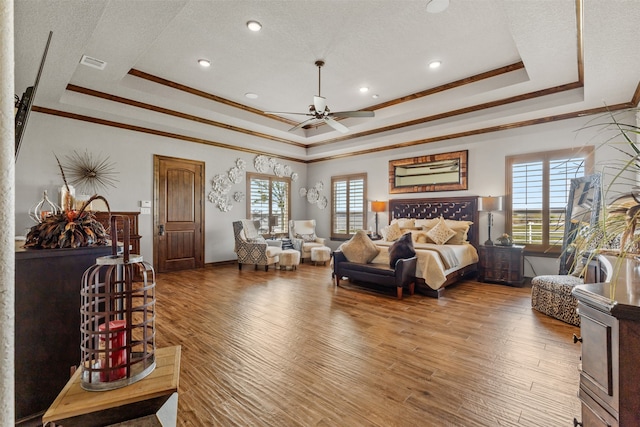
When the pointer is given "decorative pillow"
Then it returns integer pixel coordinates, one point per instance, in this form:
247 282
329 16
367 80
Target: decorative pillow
424 223
401 249
360 248
393 232
421 237
440 233
404 222
461 236
307 237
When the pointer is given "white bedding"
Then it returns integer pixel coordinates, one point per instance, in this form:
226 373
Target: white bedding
430 267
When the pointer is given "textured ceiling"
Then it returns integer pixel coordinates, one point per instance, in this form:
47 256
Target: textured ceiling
384 45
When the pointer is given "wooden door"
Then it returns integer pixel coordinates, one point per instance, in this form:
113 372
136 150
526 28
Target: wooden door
178 214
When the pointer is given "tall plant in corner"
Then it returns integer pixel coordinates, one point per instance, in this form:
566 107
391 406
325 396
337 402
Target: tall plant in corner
618 230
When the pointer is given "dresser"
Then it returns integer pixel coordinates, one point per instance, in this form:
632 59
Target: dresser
610 338
47 328
501 264
134 237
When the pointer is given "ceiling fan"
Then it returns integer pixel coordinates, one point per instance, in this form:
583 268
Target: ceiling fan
319 111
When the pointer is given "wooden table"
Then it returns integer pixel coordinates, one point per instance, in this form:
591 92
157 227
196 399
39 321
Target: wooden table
151 401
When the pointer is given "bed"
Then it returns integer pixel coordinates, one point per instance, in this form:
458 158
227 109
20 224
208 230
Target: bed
433 272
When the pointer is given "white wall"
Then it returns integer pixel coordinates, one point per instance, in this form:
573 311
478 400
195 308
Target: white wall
132 152
486 168
36 170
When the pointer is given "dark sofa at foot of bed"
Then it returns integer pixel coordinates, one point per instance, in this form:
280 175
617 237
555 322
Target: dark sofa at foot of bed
378 274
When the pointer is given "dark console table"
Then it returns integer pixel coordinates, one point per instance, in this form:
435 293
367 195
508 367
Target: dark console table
47 329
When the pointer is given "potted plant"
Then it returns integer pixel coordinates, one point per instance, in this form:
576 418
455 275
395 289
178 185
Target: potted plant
617 234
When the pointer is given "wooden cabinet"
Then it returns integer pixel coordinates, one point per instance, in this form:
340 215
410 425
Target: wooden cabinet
47 328
610 336
501 264
134 237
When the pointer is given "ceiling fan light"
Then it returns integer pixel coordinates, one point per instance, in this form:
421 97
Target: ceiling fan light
437 6
254 25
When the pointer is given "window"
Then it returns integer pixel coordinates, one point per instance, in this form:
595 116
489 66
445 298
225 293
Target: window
538 187
269 201
348 205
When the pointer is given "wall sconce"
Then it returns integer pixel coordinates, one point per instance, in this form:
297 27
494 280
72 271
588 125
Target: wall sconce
377 206
489 204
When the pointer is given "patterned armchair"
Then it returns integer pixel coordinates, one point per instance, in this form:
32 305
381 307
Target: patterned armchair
303 236
252 248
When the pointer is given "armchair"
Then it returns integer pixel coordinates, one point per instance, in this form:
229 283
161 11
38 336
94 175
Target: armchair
252 248
303 236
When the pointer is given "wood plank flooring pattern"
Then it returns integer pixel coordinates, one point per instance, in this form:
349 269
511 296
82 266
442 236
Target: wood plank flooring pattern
288 348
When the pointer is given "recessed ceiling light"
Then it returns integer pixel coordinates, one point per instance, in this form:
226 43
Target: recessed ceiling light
435 64
251 95
364 89
254 25
204 63
376 96
437 6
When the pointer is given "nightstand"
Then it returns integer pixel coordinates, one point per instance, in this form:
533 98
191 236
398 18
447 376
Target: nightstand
501 264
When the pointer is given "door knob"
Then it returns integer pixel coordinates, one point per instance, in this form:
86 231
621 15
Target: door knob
161 230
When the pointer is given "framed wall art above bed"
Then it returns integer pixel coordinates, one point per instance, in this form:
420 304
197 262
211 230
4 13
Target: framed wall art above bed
435 172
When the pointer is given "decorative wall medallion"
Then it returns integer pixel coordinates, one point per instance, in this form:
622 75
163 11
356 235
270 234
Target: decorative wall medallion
312 195
279 170
261 163
302 192
238 196
294 176
322 202
235 175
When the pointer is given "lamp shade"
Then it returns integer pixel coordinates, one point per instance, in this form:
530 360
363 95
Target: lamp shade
490 204
377 206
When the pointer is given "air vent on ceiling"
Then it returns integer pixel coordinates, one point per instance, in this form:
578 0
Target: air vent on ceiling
93 62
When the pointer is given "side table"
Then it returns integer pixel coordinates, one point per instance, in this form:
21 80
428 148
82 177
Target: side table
501 264
152 401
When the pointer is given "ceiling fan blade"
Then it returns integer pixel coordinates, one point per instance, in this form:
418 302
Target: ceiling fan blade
287 112
301 124
336 125
353 114
320 103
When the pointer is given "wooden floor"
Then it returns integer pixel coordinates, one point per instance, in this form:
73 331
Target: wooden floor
288 348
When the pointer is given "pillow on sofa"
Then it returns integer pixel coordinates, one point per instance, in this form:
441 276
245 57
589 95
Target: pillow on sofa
440 233
360 248
393 232
306 237
401 249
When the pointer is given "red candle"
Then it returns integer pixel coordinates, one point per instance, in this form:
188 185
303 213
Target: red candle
116 354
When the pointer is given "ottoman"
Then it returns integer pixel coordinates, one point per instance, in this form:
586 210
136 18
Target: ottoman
320 254
551 295
289 259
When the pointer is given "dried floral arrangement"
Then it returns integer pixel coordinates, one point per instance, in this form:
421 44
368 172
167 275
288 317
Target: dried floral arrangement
69 228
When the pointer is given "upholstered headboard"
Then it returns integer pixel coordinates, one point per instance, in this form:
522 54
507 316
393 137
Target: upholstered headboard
457 208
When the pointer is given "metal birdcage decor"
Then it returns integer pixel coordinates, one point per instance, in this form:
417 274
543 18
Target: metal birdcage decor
117 318
43 209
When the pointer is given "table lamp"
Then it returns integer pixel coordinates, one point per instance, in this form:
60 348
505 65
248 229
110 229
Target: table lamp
489 204
377 206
